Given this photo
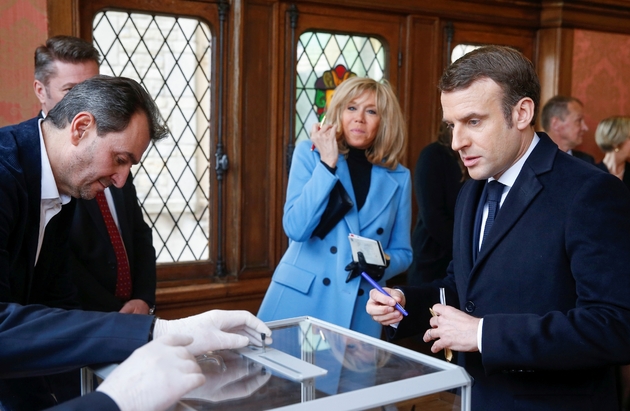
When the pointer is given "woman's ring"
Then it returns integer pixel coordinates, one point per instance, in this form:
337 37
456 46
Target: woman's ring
429 333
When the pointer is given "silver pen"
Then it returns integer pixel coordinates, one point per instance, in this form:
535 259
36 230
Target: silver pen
447 351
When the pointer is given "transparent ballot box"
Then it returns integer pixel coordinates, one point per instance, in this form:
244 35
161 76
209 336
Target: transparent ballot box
314 365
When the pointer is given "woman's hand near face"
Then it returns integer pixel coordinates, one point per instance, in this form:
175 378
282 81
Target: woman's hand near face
324 138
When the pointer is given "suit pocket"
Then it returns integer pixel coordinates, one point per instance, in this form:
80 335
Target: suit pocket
294 277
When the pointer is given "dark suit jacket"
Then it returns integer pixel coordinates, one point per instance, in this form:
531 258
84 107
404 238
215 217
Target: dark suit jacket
583 156
95 401
551 283
92 260
39 340
20 202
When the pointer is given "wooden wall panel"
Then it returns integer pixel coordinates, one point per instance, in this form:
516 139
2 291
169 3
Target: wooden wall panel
554 65
601 63
22 29
259 142
423 64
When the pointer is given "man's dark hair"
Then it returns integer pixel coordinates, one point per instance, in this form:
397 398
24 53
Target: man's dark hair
557 106
112 101
507 67
62 48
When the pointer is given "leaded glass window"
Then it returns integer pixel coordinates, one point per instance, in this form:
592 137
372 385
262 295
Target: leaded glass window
171 57
323 61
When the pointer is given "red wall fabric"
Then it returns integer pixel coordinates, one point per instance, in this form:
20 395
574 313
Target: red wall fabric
23 27
601 69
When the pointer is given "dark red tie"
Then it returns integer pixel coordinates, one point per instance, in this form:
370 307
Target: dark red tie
123 281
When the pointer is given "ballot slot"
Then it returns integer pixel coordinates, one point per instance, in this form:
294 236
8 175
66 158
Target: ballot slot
282 363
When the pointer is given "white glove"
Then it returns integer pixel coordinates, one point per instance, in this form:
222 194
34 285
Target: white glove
155 376
216 330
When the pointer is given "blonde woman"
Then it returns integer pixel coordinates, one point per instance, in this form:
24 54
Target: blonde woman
612 136
354 155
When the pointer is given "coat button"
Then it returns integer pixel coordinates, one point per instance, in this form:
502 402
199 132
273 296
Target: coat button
470 307
361 292
333 250
379 231
326 281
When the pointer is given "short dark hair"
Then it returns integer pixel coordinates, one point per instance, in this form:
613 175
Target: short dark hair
62 48
112 101
557 106
507 67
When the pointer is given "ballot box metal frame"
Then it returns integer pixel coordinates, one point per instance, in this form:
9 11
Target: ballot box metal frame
443 377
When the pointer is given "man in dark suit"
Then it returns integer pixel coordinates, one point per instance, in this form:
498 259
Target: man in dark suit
540 254
563 119
88 142
60 64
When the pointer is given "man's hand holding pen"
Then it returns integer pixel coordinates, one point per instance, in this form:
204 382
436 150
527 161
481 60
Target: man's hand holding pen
324 138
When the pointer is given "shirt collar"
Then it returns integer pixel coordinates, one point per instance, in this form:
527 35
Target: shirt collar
49 186
509 176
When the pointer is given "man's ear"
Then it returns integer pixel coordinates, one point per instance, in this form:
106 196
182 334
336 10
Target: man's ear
524 112
40 91
80 124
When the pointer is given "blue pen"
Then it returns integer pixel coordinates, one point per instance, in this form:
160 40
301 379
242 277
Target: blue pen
378 287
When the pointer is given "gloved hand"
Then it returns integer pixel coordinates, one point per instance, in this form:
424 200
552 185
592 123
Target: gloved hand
155 376
374 271
216 330
239 378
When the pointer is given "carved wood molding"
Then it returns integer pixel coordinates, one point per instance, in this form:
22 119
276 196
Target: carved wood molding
602 15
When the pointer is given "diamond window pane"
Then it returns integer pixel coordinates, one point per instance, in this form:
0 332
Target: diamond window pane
319 54
171 58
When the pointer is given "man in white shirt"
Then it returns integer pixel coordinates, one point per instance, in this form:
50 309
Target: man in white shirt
562 118
87 142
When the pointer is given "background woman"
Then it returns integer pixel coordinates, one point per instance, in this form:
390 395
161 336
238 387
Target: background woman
359 147
438 176
612 137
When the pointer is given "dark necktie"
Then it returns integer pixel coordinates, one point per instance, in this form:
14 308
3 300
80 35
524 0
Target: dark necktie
494 191
123 280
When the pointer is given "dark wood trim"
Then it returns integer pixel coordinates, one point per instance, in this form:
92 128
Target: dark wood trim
602 15
554 62
63 17
525 13
178 302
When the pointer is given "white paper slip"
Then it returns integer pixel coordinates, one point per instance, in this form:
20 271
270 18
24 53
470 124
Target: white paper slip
371 249
282 363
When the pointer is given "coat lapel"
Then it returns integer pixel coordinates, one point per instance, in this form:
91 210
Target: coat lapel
382 189
470 200
27 140
525 189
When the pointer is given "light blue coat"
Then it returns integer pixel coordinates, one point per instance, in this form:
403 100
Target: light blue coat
310 279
